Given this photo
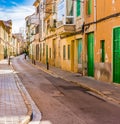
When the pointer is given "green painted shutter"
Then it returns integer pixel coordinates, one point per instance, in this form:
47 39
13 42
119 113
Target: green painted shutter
89 7
90 50
79 51
78 8
116 55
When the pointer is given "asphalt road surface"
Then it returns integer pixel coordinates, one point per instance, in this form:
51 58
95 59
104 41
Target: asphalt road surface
62 102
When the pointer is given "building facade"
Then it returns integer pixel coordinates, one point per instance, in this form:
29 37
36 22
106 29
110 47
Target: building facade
58 39
79 36
5 38
19 43
31 26
101 40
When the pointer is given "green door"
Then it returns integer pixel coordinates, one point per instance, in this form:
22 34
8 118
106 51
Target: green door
79 51
116 55
90 50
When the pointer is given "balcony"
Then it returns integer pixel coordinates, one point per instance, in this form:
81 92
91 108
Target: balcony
66 29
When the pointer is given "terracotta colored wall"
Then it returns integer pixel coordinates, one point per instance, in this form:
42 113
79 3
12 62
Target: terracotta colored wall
88 18
107 7
103 71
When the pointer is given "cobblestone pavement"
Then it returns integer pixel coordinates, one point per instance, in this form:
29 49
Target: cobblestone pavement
13 108
11 100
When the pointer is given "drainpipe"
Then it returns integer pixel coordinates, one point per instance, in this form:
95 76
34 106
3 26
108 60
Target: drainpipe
95 19
95 14
83 38
39 20
95 25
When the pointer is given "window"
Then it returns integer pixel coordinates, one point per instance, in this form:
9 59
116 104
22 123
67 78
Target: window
89 7
68 52
65 12
102 51
69 7
69 12
64 52
78 8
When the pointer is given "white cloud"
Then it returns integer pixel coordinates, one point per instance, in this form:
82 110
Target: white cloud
17 14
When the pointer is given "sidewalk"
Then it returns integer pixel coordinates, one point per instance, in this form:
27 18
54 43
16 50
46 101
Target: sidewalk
15 104
106 90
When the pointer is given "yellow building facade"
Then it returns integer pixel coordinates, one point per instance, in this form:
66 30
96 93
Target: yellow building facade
2 30
60 41
5 38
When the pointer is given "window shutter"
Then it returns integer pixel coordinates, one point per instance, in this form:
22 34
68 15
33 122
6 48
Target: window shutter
89 7
64 52
78 8
68 52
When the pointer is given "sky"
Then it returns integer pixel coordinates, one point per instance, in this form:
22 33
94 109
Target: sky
16 10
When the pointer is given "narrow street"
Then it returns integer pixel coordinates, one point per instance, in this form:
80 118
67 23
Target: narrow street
63 102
